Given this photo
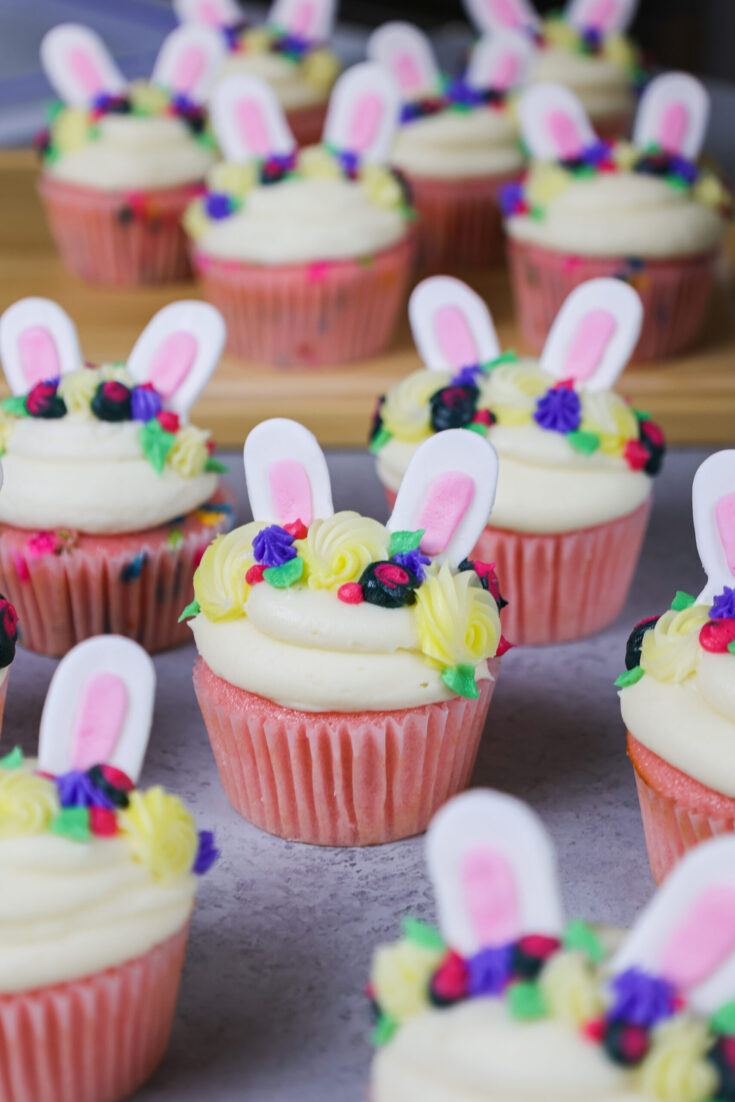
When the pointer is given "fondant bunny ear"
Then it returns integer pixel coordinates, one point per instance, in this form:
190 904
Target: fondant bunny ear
98 708
210 13
38 341
363 112
686 935
286 474
407 54
449 491
594 334
502 15
554 124
189 60
312 20
248 120
713 503
78 65
493 868
501 61
178 350
673 115
451 325
605 16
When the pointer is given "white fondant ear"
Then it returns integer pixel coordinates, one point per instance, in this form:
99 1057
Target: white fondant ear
713 503
363 112
493 867
178 350
210 13
502 15
554 123
312 20
407 54
189 61
686 934
78 64
286 474
605 16
673 115
248 121
98 708
501 61
594 334
449 491
451 325
38 341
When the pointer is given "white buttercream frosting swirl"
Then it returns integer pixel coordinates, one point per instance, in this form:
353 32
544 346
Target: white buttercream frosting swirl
456 144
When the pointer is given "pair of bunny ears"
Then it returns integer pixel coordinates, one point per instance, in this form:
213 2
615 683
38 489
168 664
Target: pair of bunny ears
501 60
494 872
673 115
81 69
604 16
176 352
448 488
311 20
591 340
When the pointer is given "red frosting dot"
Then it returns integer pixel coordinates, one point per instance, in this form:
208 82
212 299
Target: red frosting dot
450 980
117 778
350 593
297 529
594 1030
483 417
716 635
539 946
102 821
635 455
504 646
255 574
168 420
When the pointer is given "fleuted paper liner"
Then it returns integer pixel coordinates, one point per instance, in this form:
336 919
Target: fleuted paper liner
67 586
675 293
677 819
119 237
95 1039
340 779
308 315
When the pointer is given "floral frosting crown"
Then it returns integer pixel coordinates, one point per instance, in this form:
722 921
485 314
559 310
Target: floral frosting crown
8 632
661 1007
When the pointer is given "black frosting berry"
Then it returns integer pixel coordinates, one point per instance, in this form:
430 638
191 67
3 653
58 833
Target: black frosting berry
626 1044
652 439
453 407
388 584
635 642
488 581
43 401
722 1056
8 632
377 422
112 401
118 796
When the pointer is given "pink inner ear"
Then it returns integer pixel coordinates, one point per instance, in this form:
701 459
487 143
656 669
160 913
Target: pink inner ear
505 72
39 355
407 72
455 337
449 498
506 13
703 941
588 345
172 363
85 69
301 19
208 13
99 721
189 68
491 896
601 14
725 517
564 133
252 127
364 122
290 492
673 126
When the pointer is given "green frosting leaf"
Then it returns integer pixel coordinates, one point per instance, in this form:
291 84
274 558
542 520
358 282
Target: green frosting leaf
681 601
281 577
381 438
509 357
629 678
642 414
526 1001
384 1030
586 442
461 680
214 466
422 934
13 760
478 427
191 610
156 443
723 1021
405 541
581 938
73 823
175 538
731 647
15 405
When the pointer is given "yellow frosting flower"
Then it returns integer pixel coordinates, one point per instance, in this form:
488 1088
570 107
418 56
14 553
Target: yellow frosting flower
675 1069
544 182
670 650
571 989
610 418
338 549
457 620
320 69
513 388
219 582
561 34
148 99
78 389
710 191
28 803
7 424
381 186
619 50
400 977
160 832
70 129
317 163
118 372
405 411
195 220
511 417
234 179
625 154
258 40
188 454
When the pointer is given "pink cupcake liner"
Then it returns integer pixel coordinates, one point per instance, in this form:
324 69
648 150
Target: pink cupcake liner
675 293
95 1039
340 779
119 237
460 222
68 586
677 811
307 315
306 123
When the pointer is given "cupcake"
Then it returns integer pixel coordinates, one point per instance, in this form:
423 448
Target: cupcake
584 47
508 1000
290 51
110 496
122 161
646 213
459 141
306 253
8 639
576 462
346 667
97 887
677 692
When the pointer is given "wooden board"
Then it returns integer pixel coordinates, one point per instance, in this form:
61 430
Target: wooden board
693 398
